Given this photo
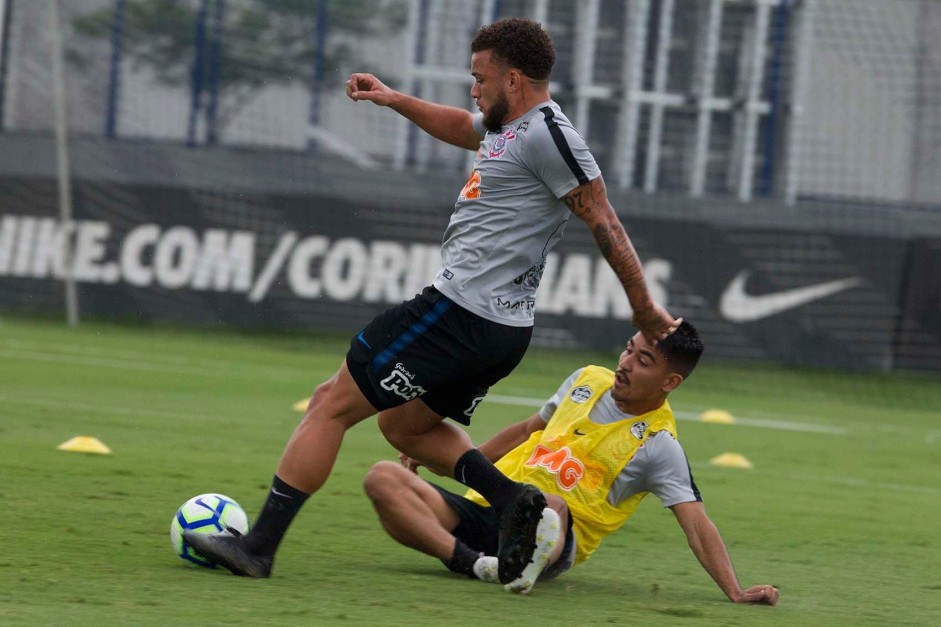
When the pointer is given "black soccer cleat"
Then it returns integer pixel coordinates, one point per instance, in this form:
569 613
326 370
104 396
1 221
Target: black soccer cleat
517 534
230 552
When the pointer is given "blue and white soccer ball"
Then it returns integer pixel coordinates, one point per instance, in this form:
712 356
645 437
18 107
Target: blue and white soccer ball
206 513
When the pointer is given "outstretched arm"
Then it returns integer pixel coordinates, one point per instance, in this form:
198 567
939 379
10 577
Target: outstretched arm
509 438
707 545
590 203
449 124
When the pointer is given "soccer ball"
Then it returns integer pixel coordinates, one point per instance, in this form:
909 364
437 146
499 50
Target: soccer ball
206 513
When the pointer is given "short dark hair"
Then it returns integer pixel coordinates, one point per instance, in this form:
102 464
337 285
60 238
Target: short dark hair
520 44
682 349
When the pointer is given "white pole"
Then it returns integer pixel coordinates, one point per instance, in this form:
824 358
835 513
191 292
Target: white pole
710 52
756 76
795 133
586 38
541 12
3 18
62 162
425 146
664 42
3 49
635 29
408 75
486 12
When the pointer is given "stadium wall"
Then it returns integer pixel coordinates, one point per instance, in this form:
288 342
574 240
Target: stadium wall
238 237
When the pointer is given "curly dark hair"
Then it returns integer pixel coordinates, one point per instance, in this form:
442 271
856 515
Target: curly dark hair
682 349
520 44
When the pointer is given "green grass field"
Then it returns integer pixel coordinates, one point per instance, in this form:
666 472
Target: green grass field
844 519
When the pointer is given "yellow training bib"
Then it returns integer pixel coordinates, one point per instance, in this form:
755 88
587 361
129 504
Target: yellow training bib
579 460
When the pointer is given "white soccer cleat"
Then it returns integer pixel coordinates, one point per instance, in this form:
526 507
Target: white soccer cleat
548 535
486 569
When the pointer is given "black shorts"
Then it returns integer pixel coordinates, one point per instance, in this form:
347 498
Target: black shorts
433 349
480 527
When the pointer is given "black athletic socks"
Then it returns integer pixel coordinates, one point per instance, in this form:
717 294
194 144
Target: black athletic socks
463 560
280 508
477 472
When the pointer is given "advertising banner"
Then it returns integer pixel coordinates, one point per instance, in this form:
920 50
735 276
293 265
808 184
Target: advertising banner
151 252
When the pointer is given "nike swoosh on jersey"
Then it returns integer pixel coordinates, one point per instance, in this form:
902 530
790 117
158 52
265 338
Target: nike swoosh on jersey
737 305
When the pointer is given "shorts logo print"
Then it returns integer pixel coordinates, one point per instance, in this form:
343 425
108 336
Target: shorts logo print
473 406
399 384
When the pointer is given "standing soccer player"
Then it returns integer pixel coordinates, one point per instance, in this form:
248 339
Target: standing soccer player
435 356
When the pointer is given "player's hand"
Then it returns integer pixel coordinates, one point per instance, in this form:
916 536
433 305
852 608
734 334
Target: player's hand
767 595
655 322
368 87
409 463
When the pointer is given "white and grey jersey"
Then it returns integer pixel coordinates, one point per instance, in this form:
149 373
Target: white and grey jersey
659 466
510 214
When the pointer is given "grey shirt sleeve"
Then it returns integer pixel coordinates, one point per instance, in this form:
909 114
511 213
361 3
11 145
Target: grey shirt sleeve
550 166
660 467
478 123
548 409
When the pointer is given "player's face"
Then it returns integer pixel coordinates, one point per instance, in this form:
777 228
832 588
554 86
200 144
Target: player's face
642 376
489 90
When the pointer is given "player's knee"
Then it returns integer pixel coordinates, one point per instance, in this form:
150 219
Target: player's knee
401 427
382 480
322 393
558 504
331 402
393 431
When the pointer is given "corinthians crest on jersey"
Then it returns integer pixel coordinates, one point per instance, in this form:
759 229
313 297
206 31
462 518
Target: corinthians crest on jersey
639 429
580 394
499 145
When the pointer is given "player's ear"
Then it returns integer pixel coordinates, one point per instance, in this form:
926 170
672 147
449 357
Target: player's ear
672 381
514 80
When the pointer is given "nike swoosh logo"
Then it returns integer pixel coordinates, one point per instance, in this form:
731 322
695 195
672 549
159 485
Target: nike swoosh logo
578 432
737 305
281 494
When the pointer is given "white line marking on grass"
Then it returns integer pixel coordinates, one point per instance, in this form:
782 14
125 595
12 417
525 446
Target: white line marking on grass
863 483
206 368
850 482
520 401
104 409
87 349
137 361
781 425
123 364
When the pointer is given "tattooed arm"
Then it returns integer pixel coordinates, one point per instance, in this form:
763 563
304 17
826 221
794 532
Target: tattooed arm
590 203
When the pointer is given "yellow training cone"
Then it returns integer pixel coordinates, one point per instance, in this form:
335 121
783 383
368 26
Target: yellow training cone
300 405
731 460
717 416
85 444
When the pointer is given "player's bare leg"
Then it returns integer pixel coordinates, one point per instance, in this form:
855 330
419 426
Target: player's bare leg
410 510
335 406
423 435
417 431
417 516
